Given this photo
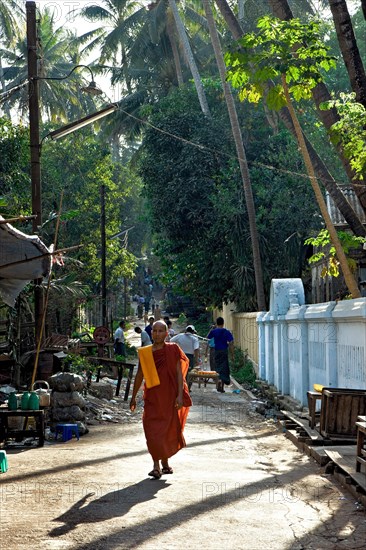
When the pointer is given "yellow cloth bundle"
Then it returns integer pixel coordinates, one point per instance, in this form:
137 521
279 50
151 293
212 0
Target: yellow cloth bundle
148 367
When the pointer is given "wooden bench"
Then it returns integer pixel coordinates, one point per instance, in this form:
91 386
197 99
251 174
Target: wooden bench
120 366
314 415
361 450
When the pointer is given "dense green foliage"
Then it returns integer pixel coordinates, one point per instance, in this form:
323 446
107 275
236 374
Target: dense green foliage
14 168
278 48
197 207
192 187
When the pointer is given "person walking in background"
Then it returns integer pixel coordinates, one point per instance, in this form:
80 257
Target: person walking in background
145 338
140 307
224 341
157 312
163 366
119 340
210 348
148 328
189 343
171 331
153 302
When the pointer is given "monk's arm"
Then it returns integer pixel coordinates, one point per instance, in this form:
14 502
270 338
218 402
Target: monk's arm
179 400
136 387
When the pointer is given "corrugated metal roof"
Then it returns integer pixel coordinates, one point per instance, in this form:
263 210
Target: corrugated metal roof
352 198
22 258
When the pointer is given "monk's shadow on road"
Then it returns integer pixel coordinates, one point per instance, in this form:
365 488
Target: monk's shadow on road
111 505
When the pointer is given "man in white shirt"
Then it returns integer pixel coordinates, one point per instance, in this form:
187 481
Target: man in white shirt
119 340
145 338
189 344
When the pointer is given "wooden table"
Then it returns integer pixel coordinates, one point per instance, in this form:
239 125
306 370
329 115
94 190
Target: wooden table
7 432
120 366
201 378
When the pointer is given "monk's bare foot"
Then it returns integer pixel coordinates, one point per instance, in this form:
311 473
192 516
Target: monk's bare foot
165 468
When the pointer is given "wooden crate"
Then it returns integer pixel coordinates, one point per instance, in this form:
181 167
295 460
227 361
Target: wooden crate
340 408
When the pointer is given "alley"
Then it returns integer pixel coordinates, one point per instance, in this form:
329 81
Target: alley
238 484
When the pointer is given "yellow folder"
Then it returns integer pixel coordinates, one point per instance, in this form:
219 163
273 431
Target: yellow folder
148 366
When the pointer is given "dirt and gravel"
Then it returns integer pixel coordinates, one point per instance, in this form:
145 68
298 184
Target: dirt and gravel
239 484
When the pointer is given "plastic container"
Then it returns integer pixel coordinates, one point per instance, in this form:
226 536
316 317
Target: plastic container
43 393
24 404
33 403
12 402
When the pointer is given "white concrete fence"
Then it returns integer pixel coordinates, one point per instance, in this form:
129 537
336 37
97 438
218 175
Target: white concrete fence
301 345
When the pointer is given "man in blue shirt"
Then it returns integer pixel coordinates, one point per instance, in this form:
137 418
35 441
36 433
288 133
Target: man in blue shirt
148 328
224 341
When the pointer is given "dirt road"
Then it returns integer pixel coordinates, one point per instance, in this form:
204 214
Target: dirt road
238 484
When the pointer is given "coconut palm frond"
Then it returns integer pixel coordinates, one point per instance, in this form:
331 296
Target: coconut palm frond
68 284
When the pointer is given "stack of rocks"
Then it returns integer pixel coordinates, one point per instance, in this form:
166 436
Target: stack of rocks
67 403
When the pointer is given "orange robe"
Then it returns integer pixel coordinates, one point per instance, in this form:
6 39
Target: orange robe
163 423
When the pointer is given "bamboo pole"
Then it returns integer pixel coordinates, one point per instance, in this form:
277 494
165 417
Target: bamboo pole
46 299
54 253
18 219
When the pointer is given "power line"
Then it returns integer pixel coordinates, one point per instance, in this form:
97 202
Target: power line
221 153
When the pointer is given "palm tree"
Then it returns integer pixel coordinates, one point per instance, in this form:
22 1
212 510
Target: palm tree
11 13
261 302
58 55
190 58
349 48
328 181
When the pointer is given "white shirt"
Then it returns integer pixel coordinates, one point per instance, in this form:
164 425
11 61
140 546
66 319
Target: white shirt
119 335
187 342
145 339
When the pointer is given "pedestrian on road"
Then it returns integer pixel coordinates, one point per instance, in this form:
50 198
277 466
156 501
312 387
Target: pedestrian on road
148 328
189 343
171 331
153 302
163 366
157 312
145 338
119 340
224 341
210 347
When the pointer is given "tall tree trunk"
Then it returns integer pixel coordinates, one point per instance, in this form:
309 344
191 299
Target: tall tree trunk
348 45
261 303
363 5
322 172
321 94
348 277
170 27
189 55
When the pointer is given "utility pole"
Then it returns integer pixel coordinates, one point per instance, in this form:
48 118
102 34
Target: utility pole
33 98
103 241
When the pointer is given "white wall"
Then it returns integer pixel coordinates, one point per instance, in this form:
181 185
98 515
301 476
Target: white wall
300 345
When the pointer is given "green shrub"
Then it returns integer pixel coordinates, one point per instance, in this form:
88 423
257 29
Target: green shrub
78 364
242 368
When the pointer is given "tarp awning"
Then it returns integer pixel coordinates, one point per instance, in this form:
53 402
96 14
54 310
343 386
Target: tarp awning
22 259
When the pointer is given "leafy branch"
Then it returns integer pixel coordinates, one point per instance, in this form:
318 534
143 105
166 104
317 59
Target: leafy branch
322 240
350 130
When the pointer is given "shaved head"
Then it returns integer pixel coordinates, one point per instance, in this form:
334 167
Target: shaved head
162 323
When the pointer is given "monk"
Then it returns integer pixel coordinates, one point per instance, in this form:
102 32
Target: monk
166 398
